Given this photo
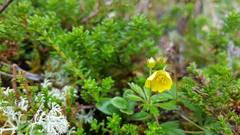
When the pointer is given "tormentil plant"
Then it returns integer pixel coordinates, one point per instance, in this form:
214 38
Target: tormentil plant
79 67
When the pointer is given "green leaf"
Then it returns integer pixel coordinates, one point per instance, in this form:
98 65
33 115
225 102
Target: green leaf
119 102
129 94
147 92
171 105
172 128
127 111
154 110
2 47
137 89
106 107
139 116
161 97
130 108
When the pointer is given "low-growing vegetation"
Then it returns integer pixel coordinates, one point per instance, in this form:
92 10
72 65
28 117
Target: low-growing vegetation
118 67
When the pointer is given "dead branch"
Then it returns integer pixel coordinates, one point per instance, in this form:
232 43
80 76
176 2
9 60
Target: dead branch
14 81
93 14
5 5
28 75
85 106
142 7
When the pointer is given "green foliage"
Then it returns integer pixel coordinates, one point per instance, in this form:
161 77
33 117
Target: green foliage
82 64
112 43
96 91
211 94
167 128
231 23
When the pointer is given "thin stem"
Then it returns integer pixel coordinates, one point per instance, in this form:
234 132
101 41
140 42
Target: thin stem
156 118
93 14
14 81
150 71
193 132
5 5
190 121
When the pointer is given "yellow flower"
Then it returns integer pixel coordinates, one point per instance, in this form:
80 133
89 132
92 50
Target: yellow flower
159 81
151 63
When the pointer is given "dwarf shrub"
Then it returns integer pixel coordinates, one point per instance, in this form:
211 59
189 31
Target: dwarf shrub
119 67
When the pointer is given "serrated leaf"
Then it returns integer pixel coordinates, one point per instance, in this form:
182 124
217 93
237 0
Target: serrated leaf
137 89
129 94
119 102
139 116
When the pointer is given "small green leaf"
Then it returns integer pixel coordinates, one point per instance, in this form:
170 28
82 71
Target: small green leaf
137 89
119 102
147 92
172 128
127 111
130 108
139 116
161 97
106 107
171 105
2 47
154 110
129 94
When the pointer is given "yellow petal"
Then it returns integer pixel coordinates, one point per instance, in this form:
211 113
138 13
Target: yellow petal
148 84
149 79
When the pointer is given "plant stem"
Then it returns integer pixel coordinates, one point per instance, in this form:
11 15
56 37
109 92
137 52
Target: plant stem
14 81
150 71
193 132
190 121
156 119
5 5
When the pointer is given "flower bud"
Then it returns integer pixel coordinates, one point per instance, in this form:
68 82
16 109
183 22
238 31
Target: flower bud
161 60
151 63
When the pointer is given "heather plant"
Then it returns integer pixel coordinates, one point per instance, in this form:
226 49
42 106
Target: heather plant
80 67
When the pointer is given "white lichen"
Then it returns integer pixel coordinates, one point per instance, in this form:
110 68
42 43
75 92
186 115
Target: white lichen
53 122
13 120
46 83
7 91
23 104
85 117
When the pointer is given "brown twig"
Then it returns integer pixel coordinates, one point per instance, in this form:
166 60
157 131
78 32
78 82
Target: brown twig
142 7
198 7
85 106
5 5
93 14
28 75
14 81
29 92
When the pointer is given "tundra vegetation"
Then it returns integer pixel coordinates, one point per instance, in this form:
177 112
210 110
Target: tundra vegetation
119 67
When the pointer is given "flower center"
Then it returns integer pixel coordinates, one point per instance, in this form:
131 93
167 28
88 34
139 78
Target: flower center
161 79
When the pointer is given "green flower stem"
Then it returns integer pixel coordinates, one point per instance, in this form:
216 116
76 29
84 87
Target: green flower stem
150 71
